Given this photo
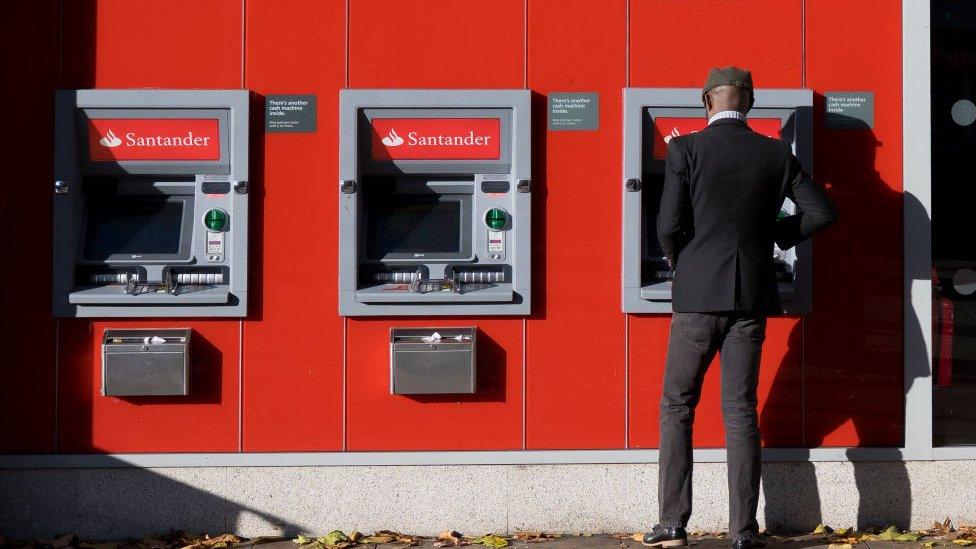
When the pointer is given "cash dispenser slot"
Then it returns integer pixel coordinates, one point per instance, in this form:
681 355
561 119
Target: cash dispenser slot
138 362
430 361
434 202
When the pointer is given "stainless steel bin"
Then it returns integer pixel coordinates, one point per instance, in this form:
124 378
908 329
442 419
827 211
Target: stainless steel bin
154 362
421 365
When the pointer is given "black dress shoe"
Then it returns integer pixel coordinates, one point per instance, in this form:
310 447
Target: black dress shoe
748 544
666 537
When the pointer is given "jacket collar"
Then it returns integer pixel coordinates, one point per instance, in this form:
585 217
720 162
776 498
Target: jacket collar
728 122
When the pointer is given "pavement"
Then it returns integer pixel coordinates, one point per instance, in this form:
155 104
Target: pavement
603 541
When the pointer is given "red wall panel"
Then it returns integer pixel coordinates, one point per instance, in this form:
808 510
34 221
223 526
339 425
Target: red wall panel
670 46
487 420
675 43
165 44
436 44
462 45
29 57
854 370
575 340
206 421
293 335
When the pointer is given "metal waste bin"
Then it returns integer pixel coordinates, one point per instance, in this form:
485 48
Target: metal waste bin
431 361
146 362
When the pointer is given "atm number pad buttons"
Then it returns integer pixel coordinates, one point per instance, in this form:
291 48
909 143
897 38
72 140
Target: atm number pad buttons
215 246
496 245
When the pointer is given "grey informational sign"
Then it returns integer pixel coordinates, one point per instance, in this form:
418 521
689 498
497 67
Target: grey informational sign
849 110
289 113
574 111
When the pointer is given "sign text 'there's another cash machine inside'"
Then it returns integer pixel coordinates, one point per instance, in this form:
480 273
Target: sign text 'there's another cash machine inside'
652 116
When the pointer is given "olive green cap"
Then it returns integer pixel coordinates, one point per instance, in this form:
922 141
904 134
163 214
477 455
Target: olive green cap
728 76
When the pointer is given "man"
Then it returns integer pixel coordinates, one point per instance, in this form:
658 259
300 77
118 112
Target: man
723 190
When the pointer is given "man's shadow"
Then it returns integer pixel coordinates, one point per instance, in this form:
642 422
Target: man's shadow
851 348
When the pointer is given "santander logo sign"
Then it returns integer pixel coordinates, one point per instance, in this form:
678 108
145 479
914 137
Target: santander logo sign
392 139
112 139
436 138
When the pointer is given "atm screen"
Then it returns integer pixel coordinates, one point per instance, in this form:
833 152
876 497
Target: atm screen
120 227
403 226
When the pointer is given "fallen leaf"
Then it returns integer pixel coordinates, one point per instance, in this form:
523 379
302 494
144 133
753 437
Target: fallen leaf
302 540
450 538
266 539
928 544
941 528
909 536
334 537
889 534
821 529
493 541
377 538
842 531
840 546
963 542
536 537
638 536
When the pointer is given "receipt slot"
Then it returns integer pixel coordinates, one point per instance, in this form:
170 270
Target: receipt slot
434 202
150 203
652 117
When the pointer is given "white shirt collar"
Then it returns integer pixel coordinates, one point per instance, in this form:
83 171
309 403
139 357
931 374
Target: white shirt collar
727 114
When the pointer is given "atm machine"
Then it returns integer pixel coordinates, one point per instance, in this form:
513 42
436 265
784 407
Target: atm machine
652 116
434 202
151 203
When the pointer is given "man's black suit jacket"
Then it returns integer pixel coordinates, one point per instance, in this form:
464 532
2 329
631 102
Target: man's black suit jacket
723 190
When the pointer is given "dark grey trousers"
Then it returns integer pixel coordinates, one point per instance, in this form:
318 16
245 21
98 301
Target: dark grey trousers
694 340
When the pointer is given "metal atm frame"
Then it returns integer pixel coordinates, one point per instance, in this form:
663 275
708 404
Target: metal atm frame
95 188
475 187
642 106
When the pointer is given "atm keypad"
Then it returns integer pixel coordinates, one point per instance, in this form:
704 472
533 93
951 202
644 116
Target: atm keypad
215 246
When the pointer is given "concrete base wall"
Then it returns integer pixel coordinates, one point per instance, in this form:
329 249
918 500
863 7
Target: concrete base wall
123 502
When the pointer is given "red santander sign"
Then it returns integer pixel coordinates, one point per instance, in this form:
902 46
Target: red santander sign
666 128
436 139
111 139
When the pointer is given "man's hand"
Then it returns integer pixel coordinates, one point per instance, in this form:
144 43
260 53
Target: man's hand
816 210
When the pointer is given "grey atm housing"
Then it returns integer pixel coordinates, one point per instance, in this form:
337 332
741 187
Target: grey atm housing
206 284
646 284
499 283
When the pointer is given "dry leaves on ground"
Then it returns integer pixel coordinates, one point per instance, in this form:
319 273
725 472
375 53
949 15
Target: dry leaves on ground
337 539
534 537
450 538
207 542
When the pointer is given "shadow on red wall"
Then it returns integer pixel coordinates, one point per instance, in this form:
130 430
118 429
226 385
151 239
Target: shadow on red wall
853 353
